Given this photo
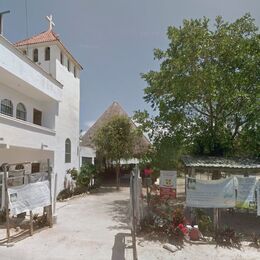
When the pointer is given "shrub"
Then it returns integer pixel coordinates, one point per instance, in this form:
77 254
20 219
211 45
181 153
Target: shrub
87 172
73 173
64 194
40 221
204 222
227 237
255 240
178 217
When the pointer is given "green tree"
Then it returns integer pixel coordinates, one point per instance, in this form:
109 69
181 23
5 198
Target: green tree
206 94
115 141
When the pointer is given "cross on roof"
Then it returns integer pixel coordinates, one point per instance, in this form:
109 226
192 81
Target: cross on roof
51 23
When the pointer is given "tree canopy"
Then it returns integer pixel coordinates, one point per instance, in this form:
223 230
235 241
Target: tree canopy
206 95
115 141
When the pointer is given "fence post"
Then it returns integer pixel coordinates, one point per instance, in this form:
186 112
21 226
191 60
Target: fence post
50 183
31 214
132 189
7 205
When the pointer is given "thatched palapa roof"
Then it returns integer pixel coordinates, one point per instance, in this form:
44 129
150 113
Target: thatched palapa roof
142 144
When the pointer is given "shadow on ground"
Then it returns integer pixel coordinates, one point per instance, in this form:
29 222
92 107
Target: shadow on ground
118 250
119 210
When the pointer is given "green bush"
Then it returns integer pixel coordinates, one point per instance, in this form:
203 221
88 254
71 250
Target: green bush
204 222
87 172
228 237
73 173
64 194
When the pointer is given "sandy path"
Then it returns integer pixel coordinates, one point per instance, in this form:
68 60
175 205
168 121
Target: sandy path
91 227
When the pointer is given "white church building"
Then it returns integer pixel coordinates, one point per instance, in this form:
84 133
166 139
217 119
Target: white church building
39 103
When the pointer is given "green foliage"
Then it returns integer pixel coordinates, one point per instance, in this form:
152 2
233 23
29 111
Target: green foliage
73 173
228 237
87 172
40 221
206 93
115 140
178 217
204 222
255 240
64 194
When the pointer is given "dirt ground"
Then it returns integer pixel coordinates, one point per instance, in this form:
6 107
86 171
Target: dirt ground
95 227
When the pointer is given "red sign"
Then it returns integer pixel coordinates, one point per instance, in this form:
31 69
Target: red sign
167 192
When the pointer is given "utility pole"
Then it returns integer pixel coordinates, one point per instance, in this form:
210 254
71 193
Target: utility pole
2 21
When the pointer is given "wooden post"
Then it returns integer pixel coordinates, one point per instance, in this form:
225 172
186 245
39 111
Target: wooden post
216 211
55 193
7 205
50 183
31 214
134 177
185 182
193 175
216 219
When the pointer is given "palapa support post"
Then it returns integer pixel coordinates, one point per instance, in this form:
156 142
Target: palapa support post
50 217
7 205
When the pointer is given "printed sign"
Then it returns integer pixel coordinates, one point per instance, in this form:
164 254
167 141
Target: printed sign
29 197
210 194
246 192
168 183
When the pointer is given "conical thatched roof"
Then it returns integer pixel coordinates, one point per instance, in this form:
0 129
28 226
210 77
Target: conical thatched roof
142 144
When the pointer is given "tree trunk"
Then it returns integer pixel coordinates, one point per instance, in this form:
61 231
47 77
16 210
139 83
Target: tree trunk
117 176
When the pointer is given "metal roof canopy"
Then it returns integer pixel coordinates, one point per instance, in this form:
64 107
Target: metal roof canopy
222 164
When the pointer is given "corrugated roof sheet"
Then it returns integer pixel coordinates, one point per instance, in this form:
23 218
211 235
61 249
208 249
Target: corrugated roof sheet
221 162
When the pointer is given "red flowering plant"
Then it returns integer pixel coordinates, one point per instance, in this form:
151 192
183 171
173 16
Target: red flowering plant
178 231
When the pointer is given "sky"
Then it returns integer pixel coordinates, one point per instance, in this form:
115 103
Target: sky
114 40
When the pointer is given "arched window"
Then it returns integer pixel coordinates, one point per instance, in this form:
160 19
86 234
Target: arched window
61 58
47 53
67 151
68 65
21 112
7 107
35 55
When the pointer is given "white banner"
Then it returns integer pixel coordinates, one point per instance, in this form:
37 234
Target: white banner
246 192
29 197
210 194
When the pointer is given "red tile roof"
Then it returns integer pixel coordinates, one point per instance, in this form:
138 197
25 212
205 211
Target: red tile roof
47 36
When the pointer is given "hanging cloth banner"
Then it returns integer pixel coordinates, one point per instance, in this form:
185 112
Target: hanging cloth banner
210 194
246 192
29 197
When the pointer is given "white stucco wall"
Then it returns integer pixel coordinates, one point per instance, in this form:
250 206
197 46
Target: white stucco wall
67 123
13 62
59 100
87 152
49 108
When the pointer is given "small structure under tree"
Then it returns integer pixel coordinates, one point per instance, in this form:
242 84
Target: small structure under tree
105 138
